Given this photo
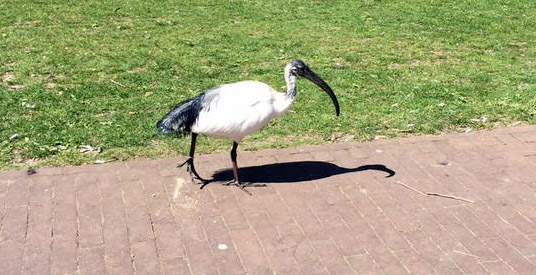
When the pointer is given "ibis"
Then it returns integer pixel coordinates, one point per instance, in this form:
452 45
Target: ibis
234 111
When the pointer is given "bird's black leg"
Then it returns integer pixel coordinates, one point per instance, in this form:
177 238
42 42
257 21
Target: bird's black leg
236 180
190 163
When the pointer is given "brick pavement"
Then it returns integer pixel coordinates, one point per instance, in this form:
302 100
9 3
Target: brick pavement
326 210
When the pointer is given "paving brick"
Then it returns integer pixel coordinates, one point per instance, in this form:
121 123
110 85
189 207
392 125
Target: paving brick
137 214
297 244
413 262
176 266
64 258
222 246
464 236
363 264
37 252
434 256
89 212
331 257
15 224
145 258
385 259
92 260
250 252
499 268
511 256
327 209
468 263
11 256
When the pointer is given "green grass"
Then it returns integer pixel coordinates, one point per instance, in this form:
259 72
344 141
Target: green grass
102 73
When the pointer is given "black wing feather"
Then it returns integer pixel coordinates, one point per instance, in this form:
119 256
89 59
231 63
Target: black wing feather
181 118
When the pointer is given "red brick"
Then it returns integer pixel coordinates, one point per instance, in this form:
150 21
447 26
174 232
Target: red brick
176 266
499 268
429 252
11 256
64 257
89 212
511 256
92 260
226 258
331 257
137 216
145 258
15 223
39 235
363 264
386 260
413 262
250 252
197 248
468 263
297 244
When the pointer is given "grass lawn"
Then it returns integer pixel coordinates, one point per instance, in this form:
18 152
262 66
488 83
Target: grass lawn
101 73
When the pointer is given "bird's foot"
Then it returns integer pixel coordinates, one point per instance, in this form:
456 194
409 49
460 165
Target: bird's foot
199 180
243 185
193 174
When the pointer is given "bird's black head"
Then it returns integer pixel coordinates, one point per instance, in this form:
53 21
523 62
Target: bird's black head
298 63
299 68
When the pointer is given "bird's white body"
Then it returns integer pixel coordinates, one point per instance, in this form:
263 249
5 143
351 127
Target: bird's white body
238 109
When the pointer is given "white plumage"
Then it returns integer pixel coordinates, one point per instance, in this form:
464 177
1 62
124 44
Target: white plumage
236 110
239 109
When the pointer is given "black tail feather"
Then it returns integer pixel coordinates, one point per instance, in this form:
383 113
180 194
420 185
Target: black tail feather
181 118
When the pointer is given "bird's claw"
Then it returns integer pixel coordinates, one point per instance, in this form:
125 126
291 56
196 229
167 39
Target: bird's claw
243 185
188 160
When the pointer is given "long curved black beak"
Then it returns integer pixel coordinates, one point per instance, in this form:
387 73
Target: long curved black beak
310 75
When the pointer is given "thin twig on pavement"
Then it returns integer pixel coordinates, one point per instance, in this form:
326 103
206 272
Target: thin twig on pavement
435 194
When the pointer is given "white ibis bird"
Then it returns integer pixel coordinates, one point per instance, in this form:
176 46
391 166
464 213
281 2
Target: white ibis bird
234 111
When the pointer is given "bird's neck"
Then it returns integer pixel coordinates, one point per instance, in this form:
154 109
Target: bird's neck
291 84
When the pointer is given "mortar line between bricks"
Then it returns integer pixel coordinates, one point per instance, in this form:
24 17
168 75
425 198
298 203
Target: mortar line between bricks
375 262
77 226
205 235
488 207
412 247
485 203
227 228
434 219
170 205
502 261
28 208
300 227
491 228
517 250
4 208
301 230
404 237
480 155
132 265
315 185
470 231
52 221
99 191
511 246
354 181
411 244
156 247
317 188
270 264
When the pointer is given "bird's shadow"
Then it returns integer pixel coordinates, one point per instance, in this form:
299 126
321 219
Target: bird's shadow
299 171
